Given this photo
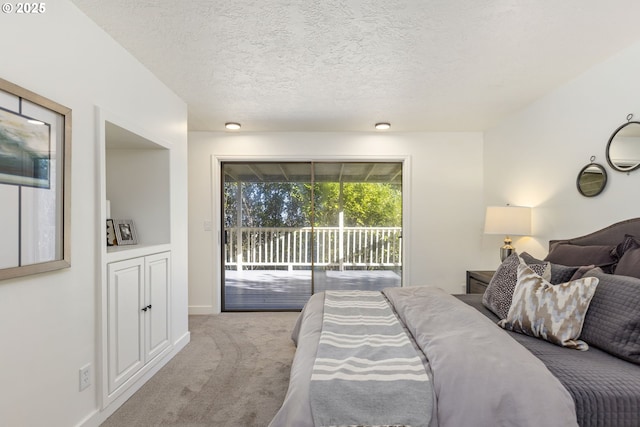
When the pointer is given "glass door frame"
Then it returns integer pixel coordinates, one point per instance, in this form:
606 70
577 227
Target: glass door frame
222 232
218 217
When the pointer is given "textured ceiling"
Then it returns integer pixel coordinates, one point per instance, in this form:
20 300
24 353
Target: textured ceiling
331 65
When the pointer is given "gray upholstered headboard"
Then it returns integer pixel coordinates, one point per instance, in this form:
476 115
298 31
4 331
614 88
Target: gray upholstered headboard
611 235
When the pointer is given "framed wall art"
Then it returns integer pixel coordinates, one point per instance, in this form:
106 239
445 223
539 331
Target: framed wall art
25 145
35 180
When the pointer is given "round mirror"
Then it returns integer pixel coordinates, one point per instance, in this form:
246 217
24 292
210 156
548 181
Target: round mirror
592 180
623 148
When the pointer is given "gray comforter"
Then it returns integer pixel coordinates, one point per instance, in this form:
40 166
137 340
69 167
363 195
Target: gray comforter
481 376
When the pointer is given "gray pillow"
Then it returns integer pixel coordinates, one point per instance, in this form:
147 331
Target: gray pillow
629 264
581 271
604 256
559 273
613 320
499 293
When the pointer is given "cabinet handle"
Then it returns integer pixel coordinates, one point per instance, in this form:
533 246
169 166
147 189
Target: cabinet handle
145 308
149 306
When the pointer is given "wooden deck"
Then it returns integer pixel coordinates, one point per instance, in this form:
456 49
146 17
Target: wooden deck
250 290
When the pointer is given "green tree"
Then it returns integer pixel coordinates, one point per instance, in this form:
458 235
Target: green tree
272 204
289 204
372 205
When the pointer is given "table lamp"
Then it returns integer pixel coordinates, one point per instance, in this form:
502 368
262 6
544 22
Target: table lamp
509 221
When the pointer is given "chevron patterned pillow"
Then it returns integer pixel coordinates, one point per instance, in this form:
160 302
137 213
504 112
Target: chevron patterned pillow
554 313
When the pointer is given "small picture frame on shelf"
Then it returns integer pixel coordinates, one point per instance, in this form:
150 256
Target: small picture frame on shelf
125 232
111 234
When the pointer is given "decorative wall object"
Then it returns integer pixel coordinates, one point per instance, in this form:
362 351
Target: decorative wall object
26 150
125 232
35 179
591 179
111 234
623 148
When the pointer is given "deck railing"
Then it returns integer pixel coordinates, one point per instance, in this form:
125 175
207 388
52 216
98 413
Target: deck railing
337 247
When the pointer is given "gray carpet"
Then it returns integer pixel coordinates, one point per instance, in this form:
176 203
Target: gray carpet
234 372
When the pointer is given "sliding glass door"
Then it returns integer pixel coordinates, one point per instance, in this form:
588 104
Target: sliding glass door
357 226
295 228
267 236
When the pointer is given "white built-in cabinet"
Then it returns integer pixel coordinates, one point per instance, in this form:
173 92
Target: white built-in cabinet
136 280
138 295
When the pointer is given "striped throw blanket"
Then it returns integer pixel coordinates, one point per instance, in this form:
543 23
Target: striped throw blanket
367 370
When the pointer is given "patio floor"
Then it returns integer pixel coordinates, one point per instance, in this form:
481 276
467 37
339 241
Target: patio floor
290 290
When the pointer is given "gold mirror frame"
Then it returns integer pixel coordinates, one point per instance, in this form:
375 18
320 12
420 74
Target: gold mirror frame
62 208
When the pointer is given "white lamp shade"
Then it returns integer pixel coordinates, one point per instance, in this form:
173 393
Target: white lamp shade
508 220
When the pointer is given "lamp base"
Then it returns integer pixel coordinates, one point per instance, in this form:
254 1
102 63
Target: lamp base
507 249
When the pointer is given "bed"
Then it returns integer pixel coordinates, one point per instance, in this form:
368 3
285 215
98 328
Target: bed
577 363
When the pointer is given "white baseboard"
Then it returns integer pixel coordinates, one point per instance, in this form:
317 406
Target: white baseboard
98 417
181 342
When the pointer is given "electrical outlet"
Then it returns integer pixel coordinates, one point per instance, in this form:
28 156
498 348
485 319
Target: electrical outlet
85 376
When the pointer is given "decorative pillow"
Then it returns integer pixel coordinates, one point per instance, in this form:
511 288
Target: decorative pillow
497 297
613 321
629 242
629 263
554 313
559 273
581 271
604 256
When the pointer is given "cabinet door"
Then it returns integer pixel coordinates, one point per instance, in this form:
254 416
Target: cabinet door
125 321
158 288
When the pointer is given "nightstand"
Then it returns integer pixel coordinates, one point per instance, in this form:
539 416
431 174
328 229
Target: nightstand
477 281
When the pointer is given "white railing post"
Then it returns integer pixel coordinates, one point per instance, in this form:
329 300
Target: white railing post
239 227
341 240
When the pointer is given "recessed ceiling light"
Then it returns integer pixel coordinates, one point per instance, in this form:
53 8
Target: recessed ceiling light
35 122
232 126
383 126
